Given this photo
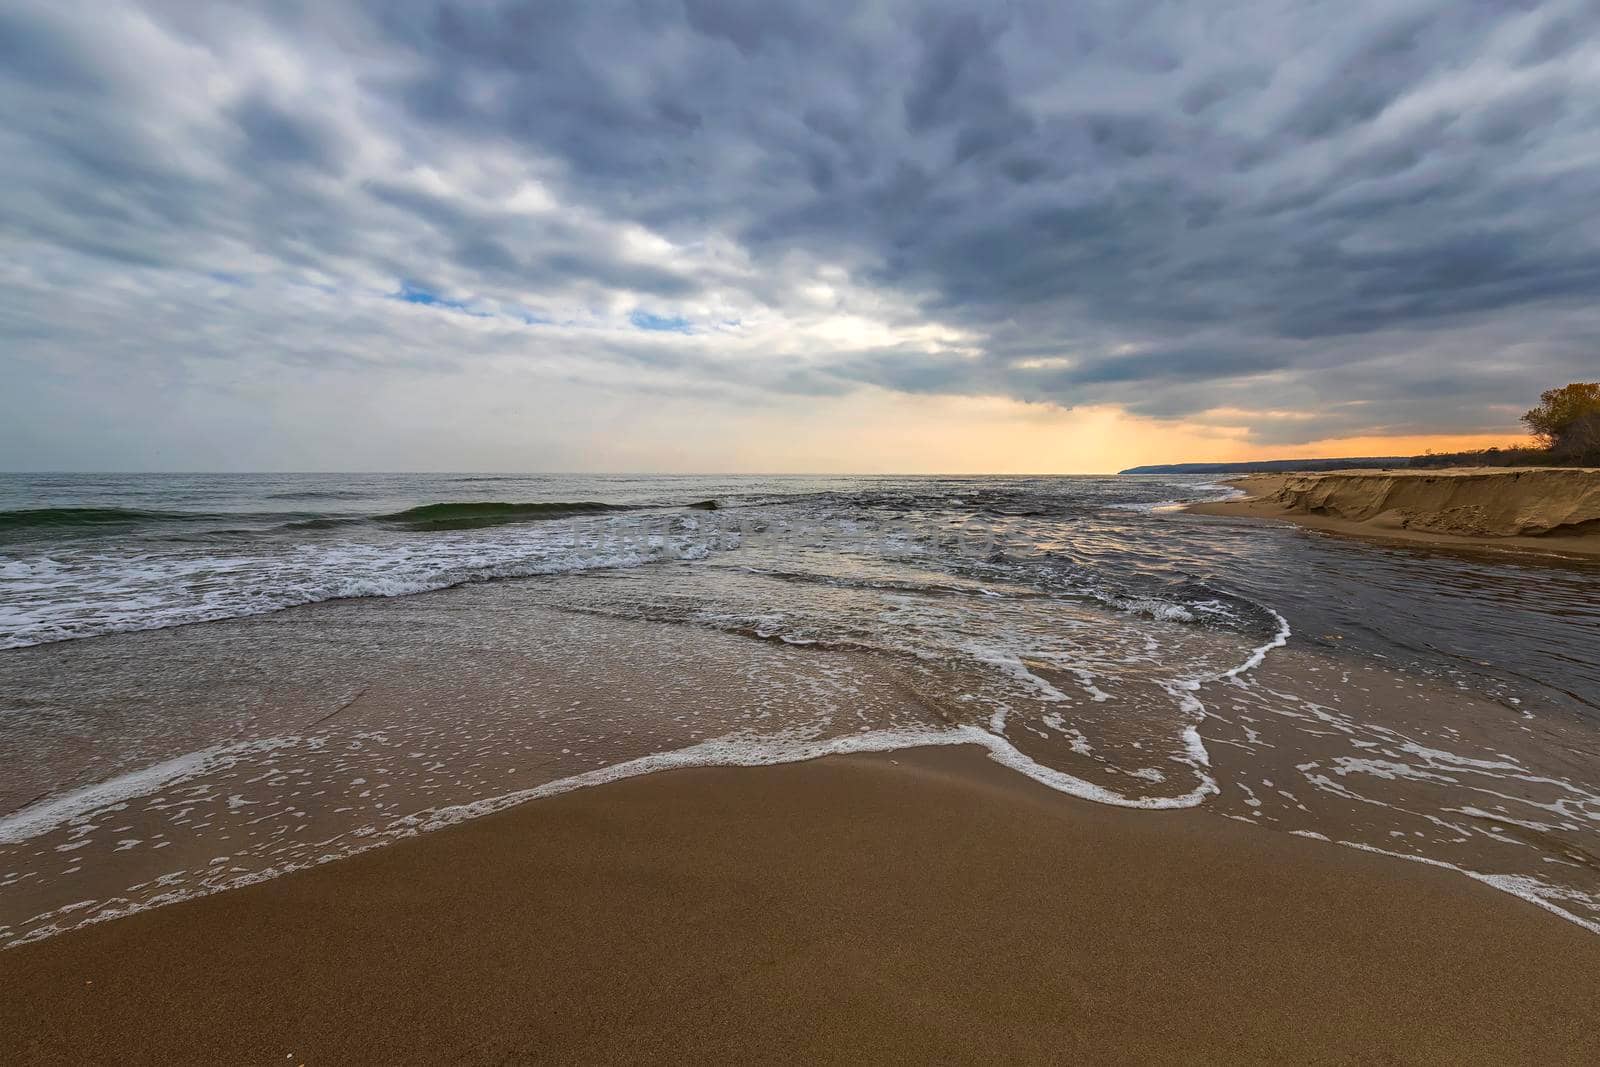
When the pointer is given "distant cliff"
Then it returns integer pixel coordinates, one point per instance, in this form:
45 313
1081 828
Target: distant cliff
1272 466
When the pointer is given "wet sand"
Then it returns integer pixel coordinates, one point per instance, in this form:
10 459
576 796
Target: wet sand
925 905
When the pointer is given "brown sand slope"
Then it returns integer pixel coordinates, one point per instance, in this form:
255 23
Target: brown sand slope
929 906
1551 508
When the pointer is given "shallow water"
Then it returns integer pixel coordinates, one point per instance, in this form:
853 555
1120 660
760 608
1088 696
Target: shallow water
1438 706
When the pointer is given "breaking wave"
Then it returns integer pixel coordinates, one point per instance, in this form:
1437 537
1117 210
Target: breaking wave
57 520
476 514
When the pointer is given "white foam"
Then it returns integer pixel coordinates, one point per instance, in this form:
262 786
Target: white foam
1257 655
1184 689
48 814
756 751
44 601
735 751
1529 889
1007 755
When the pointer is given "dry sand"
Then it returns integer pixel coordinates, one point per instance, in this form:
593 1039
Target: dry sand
1540 509
925 906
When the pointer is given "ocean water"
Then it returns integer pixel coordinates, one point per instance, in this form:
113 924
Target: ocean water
211 679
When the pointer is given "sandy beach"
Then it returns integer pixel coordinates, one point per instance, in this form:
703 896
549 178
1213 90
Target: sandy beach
694 532
1141 788
1548 510
925 905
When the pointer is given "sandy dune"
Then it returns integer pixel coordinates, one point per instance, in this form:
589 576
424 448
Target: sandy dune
1544 508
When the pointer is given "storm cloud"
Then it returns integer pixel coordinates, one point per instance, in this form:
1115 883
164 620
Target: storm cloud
1310 220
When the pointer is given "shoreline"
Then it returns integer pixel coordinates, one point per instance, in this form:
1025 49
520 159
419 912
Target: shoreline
1393 761
1384 506
925 903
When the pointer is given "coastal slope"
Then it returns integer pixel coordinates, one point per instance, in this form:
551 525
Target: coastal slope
1545 508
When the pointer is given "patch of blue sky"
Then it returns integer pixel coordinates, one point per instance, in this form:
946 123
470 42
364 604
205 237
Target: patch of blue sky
644 320
413 293
529 318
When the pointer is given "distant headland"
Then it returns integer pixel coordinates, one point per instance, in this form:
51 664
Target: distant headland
1274 466
1565 426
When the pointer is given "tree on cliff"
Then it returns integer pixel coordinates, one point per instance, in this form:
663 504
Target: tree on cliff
1567 420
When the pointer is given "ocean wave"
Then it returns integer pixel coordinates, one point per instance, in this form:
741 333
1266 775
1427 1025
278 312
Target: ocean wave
1190 602
182 527
136 597
324 522
319 494
58 519
475 514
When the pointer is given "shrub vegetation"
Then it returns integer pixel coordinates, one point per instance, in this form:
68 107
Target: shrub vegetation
1566 423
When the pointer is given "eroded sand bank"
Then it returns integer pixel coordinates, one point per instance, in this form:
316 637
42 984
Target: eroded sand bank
1551 509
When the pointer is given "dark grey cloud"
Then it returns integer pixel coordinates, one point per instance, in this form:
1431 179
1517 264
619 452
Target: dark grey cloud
277 136
1373 215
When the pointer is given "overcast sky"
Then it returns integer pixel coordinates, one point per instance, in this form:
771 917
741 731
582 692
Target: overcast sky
718 235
